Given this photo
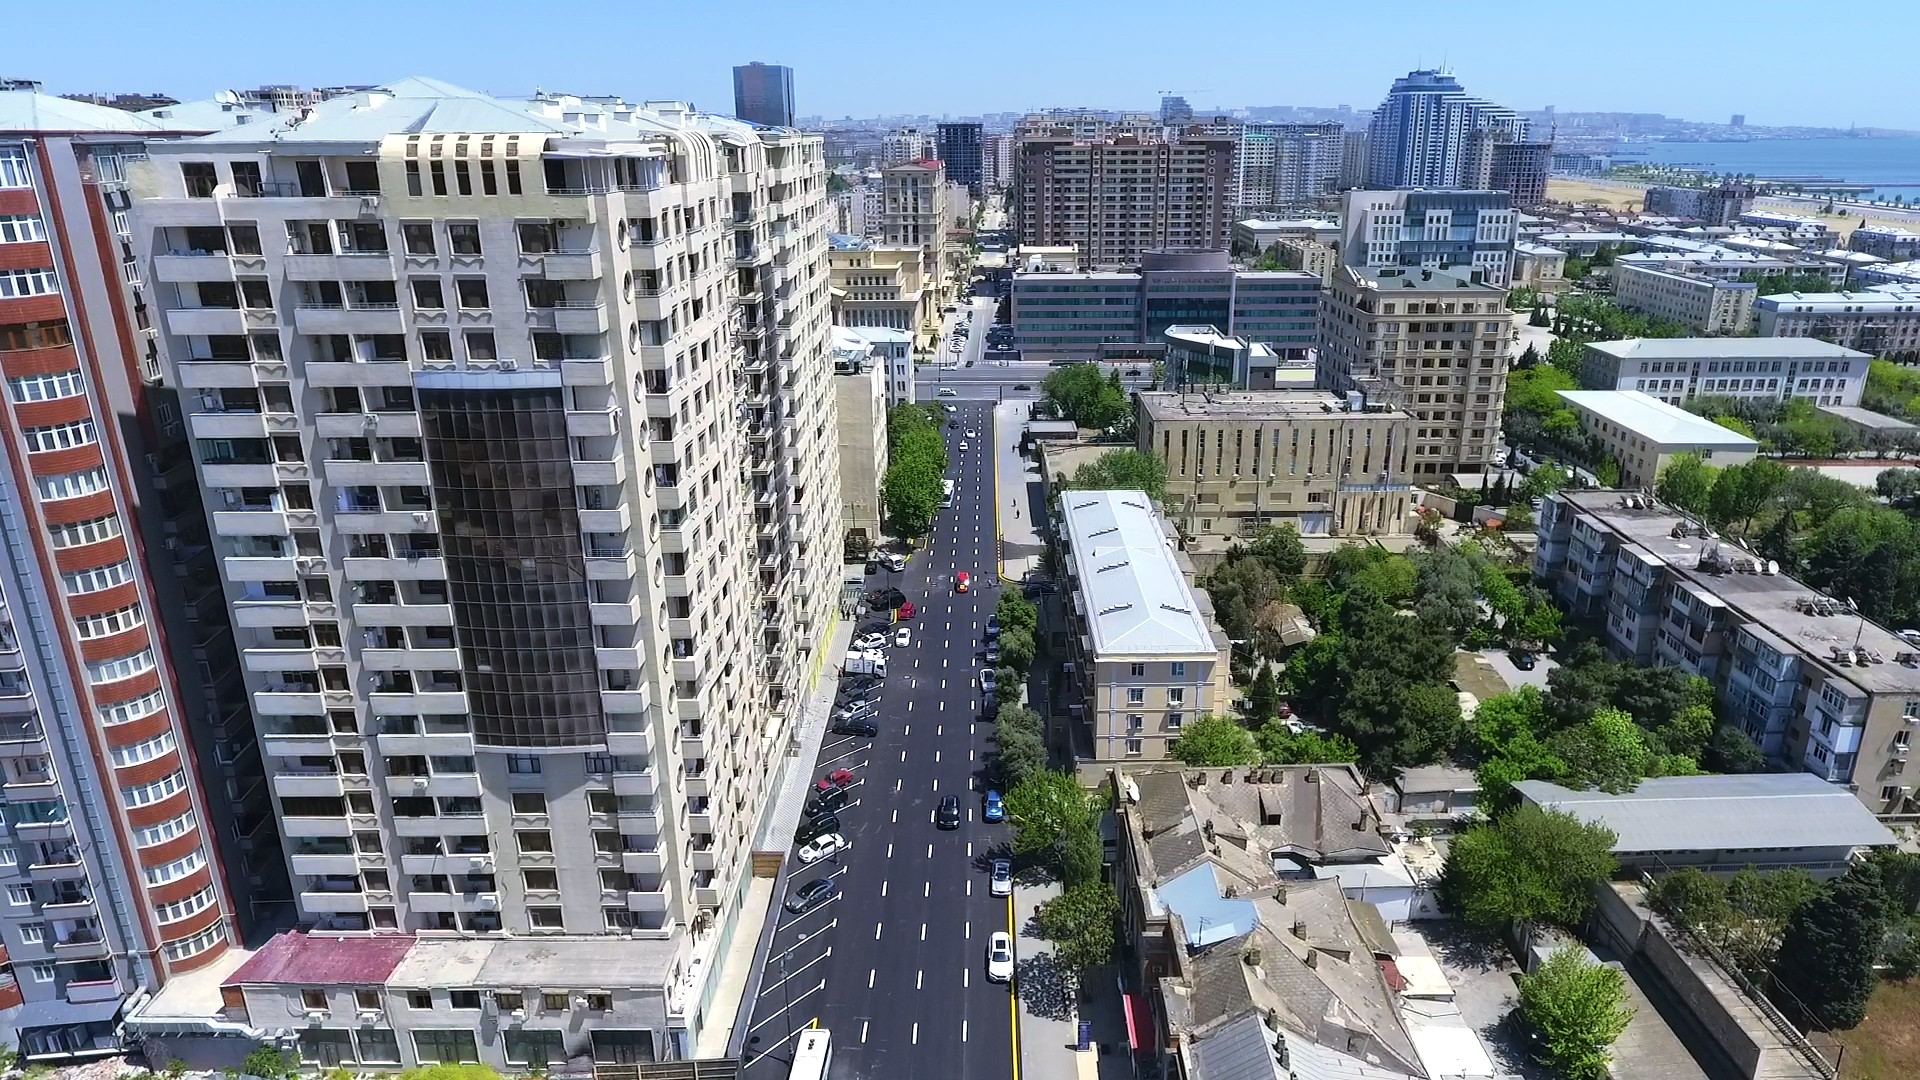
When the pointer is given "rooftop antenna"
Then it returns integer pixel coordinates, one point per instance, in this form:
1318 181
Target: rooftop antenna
1860 629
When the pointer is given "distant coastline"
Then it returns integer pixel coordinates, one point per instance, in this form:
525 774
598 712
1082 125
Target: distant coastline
1618 195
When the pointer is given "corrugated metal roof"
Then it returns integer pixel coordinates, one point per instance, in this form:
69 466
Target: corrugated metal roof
24 110
1713 813
325 960
1137 601
1657 421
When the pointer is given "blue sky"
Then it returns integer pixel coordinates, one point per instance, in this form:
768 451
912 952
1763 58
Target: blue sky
1700 60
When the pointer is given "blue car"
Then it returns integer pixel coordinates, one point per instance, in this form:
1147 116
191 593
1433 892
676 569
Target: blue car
995 811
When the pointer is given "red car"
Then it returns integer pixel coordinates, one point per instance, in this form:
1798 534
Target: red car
907 610
838 778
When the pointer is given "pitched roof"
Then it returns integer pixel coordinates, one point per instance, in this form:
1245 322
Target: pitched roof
25 110
1721 348
1138 601
1717 813
1657 421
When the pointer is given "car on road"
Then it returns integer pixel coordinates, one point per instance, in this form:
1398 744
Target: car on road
825 802
993 627
963 446
993 655
969 433
858 685
988 681
885 599
1523 659
866 642
861 726
908 611
992 808
1021 386
896 562
838 778
1001 883
822 847
1133 373
858 709
812 895
816 827
947 815
947 391
962 582
999 957
903 637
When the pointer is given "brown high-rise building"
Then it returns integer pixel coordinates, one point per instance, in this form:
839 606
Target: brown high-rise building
1115 196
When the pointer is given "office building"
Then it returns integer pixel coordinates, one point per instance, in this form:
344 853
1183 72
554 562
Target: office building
882 285
1255 236
1884 320
1704 304
860 393
893 350
1430 342
1677 370
1886 241
763 94
1420 135
1087 316
1519 169
1117 196
907 144
1537 266
1721 205
1239 461
1814 685
508 437
1641 433
915 212
1174 110
1468 232
1147 654
997 156
959 148
127 843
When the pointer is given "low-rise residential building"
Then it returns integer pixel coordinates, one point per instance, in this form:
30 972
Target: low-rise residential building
1238 462
1311 256
860 393
882 285
1905 274
1643 433
1244 923
1087 316
1884 320
1709 305
1870 426
1848 262
1538 266
1807 232
1721 205
1768 821
1817 687
1677 370
1147 654
1433 342
1885 241
1253 236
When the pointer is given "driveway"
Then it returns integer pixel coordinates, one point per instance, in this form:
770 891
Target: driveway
1502 665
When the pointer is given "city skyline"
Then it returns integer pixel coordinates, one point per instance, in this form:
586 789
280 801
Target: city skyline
1519 62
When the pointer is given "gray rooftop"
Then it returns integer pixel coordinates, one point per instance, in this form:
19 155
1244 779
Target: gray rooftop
1137 600
609 963
24 110
1261 809
1725 348
1656 421
1866 418
1416 279
1241 405
1720 813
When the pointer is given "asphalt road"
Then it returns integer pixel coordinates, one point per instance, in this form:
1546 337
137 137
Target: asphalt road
895 965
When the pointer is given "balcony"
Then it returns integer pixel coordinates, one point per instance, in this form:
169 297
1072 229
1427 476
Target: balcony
295 826
354 425
289 702
395 372
345 266
420 702
610 564
30 787
572 316
447 901
594 423
610 472
642 862
208 374
395 568
295 784
79 944
403 614
319 865
339 319
328 900
647 900
411 659
68 905
345 473
62 865
454 744
192 321
615 519
254 474
578 265
441 784
623 613
587 371
195 266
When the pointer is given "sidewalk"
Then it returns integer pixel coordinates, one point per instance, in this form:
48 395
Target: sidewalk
1018 495
1049 1019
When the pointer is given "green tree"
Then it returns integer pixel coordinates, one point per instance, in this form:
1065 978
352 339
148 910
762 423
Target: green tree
1215 740
1578 1009
1687 482
272 1064
1734 424
1018 734
1043 808
1082 394
1870 556
1280 549
1263 698
1016 611
1122 470
1017 649
1533 864
1730 751
1825 968
1608 752
1544 481
1898 486
1082 923
1740 491
1281 745
917 464
1007 687
1447 589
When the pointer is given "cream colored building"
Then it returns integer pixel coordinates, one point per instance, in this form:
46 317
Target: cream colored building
1433 343
1710 305
883 285
1147 656
1643 433
1239 461
915 213
860 393
1301 253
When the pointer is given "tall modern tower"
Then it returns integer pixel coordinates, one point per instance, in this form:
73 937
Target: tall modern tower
763 94
959 150
1175 110
1421 133
516 427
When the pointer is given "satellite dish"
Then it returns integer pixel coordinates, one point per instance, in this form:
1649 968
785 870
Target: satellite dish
227 97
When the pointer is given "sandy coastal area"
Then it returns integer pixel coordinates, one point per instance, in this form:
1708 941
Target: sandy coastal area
1625 195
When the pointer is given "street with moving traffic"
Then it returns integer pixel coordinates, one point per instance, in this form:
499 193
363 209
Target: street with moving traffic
972 373
894 963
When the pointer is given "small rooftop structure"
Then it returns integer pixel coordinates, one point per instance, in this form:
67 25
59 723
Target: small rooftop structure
1867 419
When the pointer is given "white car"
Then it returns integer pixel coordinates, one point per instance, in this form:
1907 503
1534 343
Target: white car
963 446
821 847
1001 884
903 637
987 682
1000 957
969 433
947 391
868 642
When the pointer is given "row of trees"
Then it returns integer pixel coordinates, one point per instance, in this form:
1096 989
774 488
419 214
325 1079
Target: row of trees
1019 732
1083 395
1119 470
916 467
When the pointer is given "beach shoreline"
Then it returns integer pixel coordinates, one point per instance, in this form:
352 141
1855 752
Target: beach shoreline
1622 195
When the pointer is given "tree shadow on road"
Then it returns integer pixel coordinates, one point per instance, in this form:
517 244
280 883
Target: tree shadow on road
1046 988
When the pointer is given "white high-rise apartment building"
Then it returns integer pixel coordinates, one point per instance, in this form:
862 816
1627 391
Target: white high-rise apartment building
516 429
907 144
1419 136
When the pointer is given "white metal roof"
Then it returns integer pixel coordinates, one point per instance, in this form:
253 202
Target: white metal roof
24 110
1720 348
1717 813
1138 603
1657 421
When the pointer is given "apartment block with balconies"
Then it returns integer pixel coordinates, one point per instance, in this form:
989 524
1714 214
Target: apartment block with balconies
518 450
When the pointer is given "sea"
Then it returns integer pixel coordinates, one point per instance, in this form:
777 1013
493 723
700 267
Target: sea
1893 161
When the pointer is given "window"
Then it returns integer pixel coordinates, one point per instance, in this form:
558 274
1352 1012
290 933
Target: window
1174 720
444 1045
1176 695
378 1046
71 485
529 802
1138 671
1134 748
600 1002
545 918
20 229
463 999
419 999
366 999
147 794
141 752
108 623
541 880
16 283
1136 695
41 971
480 345
313 999
13 168
177 869
27 388
417 237
436 346
1179 669
463 237
622 1047
509 1000
472 293
532 1047
33 933
186 948
426 294
187 907
126 711
526 765
60 436
46 335
124 667
549 1002
19 895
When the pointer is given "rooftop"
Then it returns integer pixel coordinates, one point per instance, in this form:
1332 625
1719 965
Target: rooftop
1396 278
1718 813
1726 348
1198 336
1250 405
406 961
1657 421
1866 418
1241 818
1791 614
25 110
314 959
1138 601
1878 299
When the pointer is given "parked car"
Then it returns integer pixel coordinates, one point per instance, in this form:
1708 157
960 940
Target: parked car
812 895
993 809
867 642
993 655
903 637
816 827
947 816
885 599
859 685
1523 659
999 957
838 778
822 847
859 725
826 802
1001 883
993 627
908 611
988 681
896 562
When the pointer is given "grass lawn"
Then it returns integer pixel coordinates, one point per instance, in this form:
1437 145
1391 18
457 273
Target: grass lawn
1887 1046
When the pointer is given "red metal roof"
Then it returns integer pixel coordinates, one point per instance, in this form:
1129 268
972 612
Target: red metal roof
324 960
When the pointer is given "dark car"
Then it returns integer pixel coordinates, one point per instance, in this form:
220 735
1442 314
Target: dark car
859 686
993 627
886 599
826 802
1021 386
858 725
812 895
819 826
1522 659
948 815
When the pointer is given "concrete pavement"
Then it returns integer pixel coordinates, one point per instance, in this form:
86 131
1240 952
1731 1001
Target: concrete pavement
1050 1011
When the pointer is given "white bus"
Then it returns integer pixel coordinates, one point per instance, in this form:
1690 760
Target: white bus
946 493
812 1053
